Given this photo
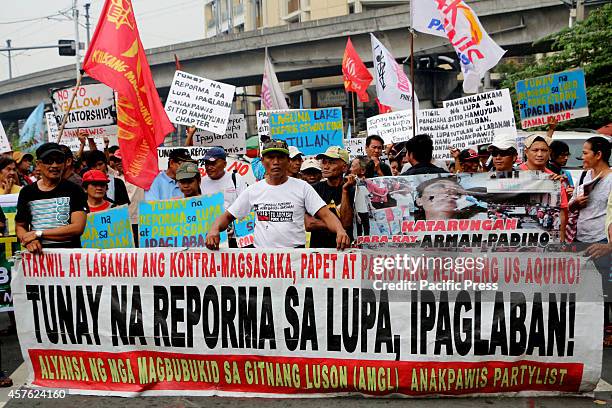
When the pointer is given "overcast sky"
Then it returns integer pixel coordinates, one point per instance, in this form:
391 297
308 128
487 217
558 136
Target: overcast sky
160 22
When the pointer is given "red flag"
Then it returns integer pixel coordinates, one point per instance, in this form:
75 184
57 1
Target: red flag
357 78
117 58
382 108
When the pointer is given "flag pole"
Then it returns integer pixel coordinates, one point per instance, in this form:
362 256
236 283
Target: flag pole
353 103
414 123
65 119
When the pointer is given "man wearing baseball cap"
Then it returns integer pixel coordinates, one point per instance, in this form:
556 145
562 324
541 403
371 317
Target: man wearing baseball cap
468 161
504 152
338 194
311 171
296 158
188 178
217 180
280 203
164 186
51 213
95 183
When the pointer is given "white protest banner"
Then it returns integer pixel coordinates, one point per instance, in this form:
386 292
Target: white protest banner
242 165
70 137
355 146
233 141
475 119
295 322
5 145
393 127
434 123
93 107
199 102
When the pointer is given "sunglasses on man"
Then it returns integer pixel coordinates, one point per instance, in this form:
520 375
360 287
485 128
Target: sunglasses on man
53 159
502 153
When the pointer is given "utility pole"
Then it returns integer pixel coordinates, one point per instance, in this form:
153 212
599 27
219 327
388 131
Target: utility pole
8 45
230 24
87 24
75 16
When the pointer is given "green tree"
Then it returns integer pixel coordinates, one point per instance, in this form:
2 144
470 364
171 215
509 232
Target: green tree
587 45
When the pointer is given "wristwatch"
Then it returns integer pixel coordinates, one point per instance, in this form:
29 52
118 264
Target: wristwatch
38 233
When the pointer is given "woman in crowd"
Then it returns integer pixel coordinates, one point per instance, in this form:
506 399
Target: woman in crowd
95 184
590 199
8 176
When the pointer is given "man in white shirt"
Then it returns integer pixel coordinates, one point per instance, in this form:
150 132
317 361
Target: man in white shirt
279 202
217 180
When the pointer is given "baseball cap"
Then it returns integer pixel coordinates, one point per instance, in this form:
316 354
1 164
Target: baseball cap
47 149
92 176
335 152
186 171
503 141
117 155
468 154
275 146
529 140
294 152
214 154
310 163
19 156
180 155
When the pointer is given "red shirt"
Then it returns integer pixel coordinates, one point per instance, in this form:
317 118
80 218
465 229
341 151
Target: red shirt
105 206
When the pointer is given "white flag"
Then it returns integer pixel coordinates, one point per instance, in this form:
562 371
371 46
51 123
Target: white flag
476 51
426 18
392 85
272 96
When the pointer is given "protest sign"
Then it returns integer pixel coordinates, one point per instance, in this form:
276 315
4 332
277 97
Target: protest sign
457 211
263 122
355 147
93 108
241 165
199 102
5 145
434 123
108 229
244 230
561 96
70 137
179 223
233 141
8 247
283 322
8 202
474 120
310 130
393 127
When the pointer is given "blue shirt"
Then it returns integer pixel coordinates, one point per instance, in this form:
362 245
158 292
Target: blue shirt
163 188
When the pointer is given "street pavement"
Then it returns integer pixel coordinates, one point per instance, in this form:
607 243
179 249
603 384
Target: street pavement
12 363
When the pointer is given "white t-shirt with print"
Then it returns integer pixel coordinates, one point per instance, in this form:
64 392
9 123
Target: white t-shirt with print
223 185
279 211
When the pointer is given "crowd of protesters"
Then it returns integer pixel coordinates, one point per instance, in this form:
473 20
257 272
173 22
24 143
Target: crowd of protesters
298 195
